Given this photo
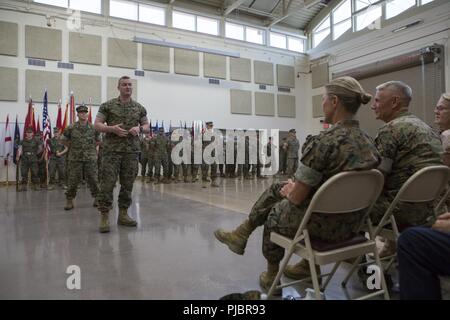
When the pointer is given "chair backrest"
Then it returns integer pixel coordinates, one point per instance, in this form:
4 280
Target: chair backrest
345 192
425 185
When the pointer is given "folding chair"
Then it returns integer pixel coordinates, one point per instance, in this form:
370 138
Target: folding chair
343 193
425 185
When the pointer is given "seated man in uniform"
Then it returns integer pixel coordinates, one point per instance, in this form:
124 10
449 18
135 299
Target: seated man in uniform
406 145
344 147
442 119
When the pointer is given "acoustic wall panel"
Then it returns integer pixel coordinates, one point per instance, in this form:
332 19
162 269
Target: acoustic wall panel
43 43
263 72
317 106
122 53
286 105
285 76
241 101
85 87
113 92
319 75
85 48
155 58
8 38
8 84
37 81
214 66
264 104
240 69
186 62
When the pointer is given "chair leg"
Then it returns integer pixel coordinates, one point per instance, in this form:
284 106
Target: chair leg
315 280
352 270
284 263
333 271
383 280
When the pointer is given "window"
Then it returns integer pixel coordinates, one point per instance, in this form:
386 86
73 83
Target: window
396 7
254 35
58 3
183 20
368 17
208 25
361 4
152 14
94 6
278 40
321 31
123 9
342 19
234 31
296 44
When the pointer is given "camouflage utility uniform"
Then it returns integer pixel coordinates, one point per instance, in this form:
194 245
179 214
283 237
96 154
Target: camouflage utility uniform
292 155
57 163
406 144
120 155
344 147
82 141
29 160
161 145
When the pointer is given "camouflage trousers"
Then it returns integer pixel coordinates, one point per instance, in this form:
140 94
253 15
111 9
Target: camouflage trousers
144 162
205 168
291 166
150 166
57 165
177 170
76 169
406 214
161 161
117 165
25 166
277 214
42 172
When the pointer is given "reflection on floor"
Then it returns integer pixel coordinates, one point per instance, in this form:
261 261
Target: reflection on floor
172 254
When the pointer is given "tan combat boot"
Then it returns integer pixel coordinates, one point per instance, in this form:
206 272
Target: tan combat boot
69 204
124 219
104 222
267 278
301 270
236 240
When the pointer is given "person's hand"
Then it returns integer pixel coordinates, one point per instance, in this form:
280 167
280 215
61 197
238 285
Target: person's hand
58 154
442 223
17 158
135 131
118 131
287 188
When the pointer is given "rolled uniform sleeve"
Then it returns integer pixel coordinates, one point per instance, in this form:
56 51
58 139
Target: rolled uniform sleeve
312 163
66 134
143 116
386 145
102 112
445 137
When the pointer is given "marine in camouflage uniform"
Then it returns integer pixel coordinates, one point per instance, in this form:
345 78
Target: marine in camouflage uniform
82 140
283 156
206 167
406 144
57 162
122 119
161 145
344 147
30 148
143 157
151 158
42 170
292 153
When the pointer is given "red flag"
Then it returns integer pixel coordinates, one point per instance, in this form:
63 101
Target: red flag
90 115
38 125
66 118
59 118
7 148
72 108
28 119
33 121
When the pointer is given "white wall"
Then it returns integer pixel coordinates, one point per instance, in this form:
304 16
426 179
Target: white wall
166 96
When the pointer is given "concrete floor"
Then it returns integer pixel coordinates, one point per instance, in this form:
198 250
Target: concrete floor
172 254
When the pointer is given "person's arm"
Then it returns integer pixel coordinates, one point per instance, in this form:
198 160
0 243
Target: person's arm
295 191
19 153
387 147
60 154
442 223
100 126
144 126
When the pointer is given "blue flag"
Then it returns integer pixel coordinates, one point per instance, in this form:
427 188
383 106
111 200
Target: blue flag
16 141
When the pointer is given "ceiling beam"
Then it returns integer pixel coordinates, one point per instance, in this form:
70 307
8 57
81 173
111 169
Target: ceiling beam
306 4
232 7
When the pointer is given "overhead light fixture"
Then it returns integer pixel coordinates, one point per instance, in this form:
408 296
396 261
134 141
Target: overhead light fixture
406 26
186 47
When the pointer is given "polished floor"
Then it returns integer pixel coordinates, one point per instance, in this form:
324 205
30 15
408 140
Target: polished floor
172 254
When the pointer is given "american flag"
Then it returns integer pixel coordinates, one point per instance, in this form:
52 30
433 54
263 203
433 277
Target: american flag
47 130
